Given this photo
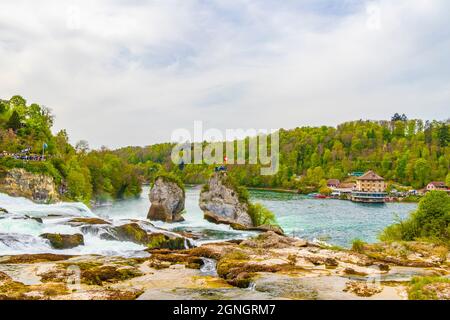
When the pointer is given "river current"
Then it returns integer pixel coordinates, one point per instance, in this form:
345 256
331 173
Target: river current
333 221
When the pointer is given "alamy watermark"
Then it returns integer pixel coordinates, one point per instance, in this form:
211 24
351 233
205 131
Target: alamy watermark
212 146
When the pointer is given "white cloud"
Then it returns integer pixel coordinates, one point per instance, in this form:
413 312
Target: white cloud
129 73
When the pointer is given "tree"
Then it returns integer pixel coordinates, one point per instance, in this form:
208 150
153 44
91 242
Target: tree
82 146
3 107
398 117
17 101
443 135
260 215
15 121
62 143
422 171
431 220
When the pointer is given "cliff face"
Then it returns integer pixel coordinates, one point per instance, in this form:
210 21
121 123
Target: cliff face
36 187
220 203
167 200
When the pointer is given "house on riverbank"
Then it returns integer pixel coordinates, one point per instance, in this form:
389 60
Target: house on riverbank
343 190
333 183
437 185
370 188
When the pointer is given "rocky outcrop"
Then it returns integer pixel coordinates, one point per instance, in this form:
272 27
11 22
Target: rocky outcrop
87 221
262 228
408 254
362 289
220 203
134 233
21 183
167 201
64 241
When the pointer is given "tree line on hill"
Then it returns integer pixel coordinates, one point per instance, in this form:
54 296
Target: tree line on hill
408 152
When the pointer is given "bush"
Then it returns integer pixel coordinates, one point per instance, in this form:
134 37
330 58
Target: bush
430 221
261 215
325 191
358 245
418 288
168 176
43 167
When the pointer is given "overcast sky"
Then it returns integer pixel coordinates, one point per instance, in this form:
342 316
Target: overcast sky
120 73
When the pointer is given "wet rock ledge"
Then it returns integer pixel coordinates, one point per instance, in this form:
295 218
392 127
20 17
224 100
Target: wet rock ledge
268 266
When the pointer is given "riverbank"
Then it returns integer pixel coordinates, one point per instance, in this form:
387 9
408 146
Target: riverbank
275 190
268 266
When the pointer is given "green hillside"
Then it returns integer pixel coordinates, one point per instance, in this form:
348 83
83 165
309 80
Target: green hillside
84 175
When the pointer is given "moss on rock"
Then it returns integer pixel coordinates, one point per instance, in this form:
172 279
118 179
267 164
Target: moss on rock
88 221
134 233
100 274
34 258
64 241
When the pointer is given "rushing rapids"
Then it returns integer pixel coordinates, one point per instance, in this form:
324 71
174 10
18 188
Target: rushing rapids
21 227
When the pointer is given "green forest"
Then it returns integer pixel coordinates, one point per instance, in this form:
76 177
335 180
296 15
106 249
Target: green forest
407 152
85 175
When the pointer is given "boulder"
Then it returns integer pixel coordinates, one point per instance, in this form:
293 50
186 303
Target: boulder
221 203
64 241
167 201
134 233
127 232
3 211
362 289
269 240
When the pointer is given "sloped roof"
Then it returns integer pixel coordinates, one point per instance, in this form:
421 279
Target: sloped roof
333 182
438 184
346 185
370 175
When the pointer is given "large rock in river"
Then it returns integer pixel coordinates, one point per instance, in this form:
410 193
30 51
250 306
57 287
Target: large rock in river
167 199
220 203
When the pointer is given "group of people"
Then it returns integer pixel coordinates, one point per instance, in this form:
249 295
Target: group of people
220 168
22 156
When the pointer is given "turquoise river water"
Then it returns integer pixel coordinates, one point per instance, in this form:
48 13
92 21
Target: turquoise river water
333 221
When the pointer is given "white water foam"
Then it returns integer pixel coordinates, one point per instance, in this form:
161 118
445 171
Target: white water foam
20 234
20 205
